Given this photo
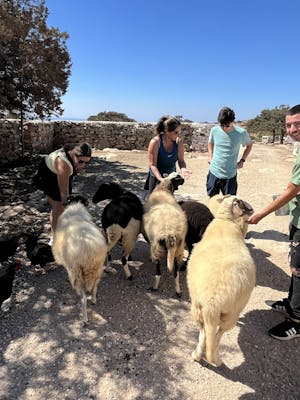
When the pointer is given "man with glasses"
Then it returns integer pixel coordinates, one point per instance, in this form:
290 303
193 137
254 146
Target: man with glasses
290 327
223 149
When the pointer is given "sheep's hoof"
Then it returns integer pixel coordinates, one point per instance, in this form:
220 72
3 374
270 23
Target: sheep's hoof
195 357
130 278
179 295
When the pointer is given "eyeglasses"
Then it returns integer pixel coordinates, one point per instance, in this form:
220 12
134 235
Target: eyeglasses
82 161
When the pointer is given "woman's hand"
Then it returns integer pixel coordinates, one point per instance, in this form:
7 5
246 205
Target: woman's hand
185 173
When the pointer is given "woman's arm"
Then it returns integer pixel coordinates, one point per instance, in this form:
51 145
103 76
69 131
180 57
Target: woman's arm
63 176
152 157
182 165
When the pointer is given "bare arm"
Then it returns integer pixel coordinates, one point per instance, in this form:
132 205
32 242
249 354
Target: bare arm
289 193
210 149
152 157
182 165
245 155
63 176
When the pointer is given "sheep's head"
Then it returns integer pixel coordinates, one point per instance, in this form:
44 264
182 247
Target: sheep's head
107 191
171 182
76 199
233 208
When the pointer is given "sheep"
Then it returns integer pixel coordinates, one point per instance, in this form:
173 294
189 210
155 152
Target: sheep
121 219
220 277
214 203
80 246
198 218
165 227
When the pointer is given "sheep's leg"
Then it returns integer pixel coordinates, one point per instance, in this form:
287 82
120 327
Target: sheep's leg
197 353
84 306
157 276
126 267
212 341
107 268
177 283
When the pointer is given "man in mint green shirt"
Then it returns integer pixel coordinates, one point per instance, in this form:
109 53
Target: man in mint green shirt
223 149
290 327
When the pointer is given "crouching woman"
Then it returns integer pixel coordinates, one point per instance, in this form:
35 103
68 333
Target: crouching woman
55 177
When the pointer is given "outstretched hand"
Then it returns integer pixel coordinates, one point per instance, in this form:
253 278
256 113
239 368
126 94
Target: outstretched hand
185 173
255 218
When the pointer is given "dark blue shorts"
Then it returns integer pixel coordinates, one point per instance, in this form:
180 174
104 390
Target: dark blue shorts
216 185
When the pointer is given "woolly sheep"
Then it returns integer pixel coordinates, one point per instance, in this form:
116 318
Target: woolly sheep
220 277
80 246
165 227
121 219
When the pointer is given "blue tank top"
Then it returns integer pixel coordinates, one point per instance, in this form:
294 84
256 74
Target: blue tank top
166 161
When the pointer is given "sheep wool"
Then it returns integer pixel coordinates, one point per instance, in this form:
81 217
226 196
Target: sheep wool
220 277
80 246
165 226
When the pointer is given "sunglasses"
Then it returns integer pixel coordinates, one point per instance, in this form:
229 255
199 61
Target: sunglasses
82 162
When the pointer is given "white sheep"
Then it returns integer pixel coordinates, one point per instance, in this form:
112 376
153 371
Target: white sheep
165 227
220 277
214 203
80 246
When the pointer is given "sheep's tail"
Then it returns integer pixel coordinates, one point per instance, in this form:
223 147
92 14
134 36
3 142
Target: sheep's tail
113 234
170 244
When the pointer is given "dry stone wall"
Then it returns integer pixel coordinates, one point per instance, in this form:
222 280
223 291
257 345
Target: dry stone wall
43 137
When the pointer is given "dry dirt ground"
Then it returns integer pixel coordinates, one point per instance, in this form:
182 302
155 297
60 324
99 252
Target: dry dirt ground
138 344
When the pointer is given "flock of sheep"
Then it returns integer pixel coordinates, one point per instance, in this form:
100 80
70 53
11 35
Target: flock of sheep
220 273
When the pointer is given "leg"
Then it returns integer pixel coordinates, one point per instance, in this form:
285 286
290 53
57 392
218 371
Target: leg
84 304
176 276
157 276
126 268
294 291
212 185
197 353
212 352
56 209
229 186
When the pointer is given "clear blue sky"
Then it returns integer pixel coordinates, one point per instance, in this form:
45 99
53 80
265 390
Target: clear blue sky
147 58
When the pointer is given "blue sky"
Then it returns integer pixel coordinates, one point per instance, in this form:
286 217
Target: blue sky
148 58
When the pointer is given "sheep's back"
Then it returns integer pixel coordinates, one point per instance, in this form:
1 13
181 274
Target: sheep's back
221 270
79 246
161 220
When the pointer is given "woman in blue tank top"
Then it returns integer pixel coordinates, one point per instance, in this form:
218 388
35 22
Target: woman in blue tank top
164 150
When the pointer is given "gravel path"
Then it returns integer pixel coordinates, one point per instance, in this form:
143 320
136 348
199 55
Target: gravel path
137 345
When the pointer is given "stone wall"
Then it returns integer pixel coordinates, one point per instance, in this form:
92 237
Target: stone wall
43 137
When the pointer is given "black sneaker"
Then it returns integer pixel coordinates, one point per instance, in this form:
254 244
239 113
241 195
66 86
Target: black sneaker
286 330
278 305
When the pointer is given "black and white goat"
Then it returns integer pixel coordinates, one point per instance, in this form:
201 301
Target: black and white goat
121 219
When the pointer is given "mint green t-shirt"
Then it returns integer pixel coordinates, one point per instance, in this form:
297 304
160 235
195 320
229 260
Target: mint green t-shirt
294 204
226 150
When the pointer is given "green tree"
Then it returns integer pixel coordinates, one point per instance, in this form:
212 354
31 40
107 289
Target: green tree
34 62
269 122
181 119
110 116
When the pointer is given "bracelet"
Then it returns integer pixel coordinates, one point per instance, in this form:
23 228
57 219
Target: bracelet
242 159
